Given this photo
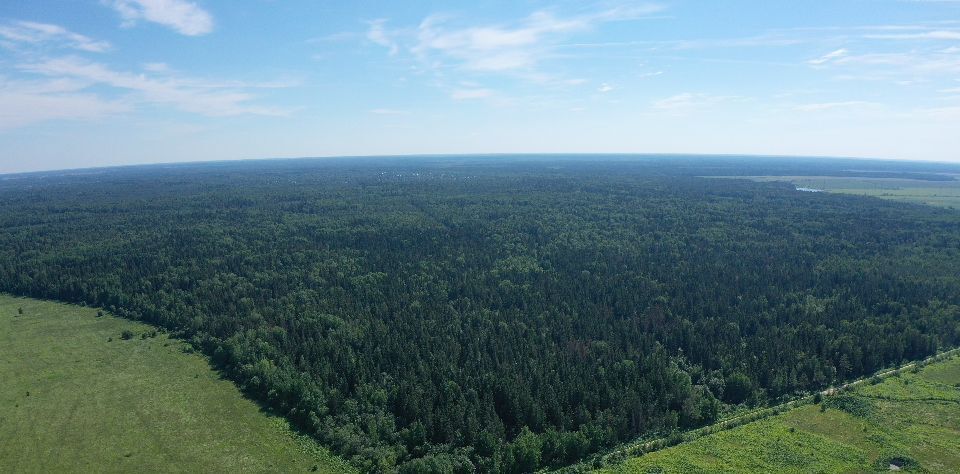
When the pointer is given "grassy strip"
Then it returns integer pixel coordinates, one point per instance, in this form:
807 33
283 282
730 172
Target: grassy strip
866 428
645 446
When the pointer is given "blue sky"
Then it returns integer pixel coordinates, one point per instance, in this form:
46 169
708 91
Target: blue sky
104 82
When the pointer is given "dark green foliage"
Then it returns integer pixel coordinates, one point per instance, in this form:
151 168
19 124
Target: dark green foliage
126 335
738 388
852 404
19 311
900 460
525 453
492 315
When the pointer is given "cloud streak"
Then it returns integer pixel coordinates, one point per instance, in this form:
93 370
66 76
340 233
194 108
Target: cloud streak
509 47
926 35
687 101
384 111
378 34
189 95
29 102
33 33
454 51
471 94
845 105
184 17
831 56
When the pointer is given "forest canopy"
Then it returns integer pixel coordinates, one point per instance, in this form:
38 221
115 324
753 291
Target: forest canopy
497 314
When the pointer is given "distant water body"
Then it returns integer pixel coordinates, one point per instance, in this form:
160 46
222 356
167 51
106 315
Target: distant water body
810 190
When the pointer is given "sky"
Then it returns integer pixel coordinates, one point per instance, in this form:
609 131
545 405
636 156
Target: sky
87 83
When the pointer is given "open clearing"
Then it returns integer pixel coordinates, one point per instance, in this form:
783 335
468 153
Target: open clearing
933 193
911 421
70 401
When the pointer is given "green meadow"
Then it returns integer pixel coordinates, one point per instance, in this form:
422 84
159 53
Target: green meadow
909 422
77 396
933 193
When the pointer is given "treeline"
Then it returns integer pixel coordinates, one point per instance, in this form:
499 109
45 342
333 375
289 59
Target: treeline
494 317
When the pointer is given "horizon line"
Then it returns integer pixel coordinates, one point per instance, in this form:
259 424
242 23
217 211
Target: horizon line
498 154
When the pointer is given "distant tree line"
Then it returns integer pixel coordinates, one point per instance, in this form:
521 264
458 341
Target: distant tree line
497 316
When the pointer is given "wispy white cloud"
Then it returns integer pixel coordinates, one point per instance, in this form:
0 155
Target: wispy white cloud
182 16
379 35
469 94
509 47
914 62
898 62
29 102
33 33
604 88
831 56
758 41
941 113
925 35
186 94
444 42
454 51
383 111
688 101
156 67
846 105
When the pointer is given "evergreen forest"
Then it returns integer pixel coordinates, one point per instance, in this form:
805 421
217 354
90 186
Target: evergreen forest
495 313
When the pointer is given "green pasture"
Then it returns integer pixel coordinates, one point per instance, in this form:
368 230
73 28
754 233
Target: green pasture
76 396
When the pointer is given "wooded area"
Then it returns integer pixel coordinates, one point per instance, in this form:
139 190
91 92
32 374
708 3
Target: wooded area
494 315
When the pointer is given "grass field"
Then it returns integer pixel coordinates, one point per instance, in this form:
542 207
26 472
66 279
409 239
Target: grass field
912 420
934 193
73 400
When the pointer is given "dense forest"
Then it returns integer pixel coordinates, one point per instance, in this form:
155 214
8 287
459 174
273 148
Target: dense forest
497 314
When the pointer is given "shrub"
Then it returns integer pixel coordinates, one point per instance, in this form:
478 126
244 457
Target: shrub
737 388
898 459
19 311
126 334
99 314
854 405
